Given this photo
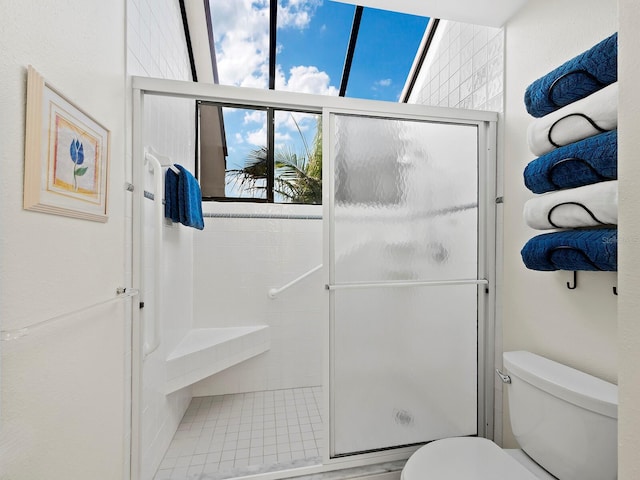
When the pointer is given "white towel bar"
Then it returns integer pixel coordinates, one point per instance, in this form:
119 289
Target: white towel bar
437 283
7 335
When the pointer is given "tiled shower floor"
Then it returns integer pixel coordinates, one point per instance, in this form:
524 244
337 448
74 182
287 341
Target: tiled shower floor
235 435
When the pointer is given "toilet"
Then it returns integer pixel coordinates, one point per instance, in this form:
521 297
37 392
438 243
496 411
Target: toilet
564 420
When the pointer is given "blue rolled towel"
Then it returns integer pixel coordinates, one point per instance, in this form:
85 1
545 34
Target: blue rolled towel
171 196
189 199
579 77
592 160
592 249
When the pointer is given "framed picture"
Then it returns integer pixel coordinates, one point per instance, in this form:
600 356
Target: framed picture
66 155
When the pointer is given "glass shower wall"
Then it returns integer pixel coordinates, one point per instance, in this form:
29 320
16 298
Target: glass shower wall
404 368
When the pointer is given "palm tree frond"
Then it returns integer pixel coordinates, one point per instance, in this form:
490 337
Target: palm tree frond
297 178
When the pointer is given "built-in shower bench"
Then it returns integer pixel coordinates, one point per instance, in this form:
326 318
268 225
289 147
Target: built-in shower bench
206 351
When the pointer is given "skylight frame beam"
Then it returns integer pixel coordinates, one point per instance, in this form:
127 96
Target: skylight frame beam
353 40
416 68
273 32
187 37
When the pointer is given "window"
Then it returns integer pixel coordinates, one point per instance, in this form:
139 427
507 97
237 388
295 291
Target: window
259 154
272 155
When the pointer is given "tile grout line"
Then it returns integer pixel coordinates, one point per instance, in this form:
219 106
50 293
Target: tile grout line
245 412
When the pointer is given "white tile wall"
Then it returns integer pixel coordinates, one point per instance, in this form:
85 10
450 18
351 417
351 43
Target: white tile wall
236 262
155 40
156 47
463 68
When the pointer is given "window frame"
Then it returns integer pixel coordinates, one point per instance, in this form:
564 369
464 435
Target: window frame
270 147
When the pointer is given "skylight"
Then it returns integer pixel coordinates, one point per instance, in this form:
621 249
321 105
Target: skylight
269 155
311 46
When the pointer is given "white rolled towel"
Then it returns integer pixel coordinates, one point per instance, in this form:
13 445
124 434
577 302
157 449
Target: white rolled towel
587 117
587 206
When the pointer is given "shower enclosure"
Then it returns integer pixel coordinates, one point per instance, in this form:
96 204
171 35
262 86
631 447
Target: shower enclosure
408 271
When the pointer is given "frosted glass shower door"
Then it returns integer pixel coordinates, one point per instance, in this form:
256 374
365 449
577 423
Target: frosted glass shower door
403 260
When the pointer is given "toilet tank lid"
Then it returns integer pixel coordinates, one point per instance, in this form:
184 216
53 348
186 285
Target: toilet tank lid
564 382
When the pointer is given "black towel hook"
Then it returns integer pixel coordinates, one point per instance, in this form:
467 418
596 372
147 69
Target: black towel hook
615 290
575 281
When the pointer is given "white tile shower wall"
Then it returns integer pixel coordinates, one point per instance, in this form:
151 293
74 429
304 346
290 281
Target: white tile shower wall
237 261
170 131
463 69
156 47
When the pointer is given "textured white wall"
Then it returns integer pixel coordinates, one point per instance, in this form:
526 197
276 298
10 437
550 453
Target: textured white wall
629 273
575 327
63 386
237 261
156 47
463 68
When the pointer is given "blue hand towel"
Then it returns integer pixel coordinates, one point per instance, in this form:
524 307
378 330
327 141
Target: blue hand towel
171 196
189 199
595 250
579 77
592 160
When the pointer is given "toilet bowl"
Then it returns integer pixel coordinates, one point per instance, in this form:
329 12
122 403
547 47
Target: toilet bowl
564 420
470 458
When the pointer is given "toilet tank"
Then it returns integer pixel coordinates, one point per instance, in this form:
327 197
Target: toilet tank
565 419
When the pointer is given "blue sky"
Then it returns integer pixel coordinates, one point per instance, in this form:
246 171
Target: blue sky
312 42
387 44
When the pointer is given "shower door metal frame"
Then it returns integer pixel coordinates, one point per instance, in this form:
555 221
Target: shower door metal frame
486 123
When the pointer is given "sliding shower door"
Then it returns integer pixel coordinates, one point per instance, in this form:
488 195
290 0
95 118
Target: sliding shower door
403 280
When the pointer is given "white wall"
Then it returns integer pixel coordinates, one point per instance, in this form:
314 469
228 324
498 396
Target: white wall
156 47
629 254
463 68
575 327
237 261
64 387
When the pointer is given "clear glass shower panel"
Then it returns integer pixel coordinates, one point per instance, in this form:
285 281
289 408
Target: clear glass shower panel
406 200
405 366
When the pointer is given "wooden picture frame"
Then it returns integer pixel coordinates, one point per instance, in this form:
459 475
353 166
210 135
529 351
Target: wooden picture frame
66 169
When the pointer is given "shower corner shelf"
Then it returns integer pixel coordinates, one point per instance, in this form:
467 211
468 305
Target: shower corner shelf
206 351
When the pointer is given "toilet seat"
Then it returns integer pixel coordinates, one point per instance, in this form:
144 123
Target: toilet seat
464 458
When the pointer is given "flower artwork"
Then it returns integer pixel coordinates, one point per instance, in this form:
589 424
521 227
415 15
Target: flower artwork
66 156
75 160
77 157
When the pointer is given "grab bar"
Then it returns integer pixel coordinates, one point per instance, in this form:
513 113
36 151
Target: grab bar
7 335
152 326
437 283
274 292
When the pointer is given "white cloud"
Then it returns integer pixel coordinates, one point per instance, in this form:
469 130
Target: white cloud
241 29
385 82
306 79
257 137
256 116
